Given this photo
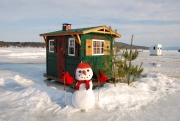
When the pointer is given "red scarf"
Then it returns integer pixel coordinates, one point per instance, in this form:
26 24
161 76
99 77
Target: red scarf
81 82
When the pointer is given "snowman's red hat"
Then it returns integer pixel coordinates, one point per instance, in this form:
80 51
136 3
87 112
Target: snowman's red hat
83 65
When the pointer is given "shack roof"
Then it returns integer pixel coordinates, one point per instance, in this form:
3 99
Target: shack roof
96 29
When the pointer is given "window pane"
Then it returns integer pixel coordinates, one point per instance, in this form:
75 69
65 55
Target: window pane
102 50
98 47
101 44
71 50
71 47
51 45
98 44
94 43
70 43
94 50
98 50
73 43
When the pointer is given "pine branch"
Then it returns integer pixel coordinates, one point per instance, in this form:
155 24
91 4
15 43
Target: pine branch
138 73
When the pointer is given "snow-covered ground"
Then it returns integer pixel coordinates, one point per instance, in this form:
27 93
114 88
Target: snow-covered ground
26 95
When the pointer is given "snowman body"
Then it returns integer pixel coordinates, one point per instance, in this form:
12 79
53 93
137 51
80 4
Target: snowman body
83 97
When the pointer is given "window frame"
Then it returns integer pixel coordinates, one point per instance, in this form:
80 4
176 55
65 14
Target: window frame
51 51
102 47
71 39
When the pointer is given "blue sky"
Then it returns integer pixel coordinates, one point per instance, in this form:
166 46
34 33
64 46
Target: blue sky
151 21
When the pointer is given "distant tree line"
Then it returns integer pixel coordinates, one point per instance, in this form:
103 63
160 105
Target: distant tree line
22 44
42 44
127 46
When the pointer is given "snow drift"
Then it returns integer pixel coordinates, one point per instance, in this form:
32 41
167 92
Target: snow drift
25 96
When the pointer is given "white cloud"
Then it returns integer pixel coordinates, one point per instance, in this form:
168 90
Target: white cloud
125 16
99 9
168 35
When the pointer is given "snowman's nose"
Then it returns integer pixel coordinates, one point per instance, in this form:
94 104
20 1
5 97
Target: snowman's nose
84 72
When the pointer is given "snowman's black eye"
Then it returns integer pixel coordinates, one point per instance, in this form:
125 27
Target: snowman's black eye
88 70
80 71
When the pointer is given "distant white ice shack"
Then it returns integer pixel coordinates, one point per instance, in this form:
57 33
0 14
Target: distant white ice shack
156 50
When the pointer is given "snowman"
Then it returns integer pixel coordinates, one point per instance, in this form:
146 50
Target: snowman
83 97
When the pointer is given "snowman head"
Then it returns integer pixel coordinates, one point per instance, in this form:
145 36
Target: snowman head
83 72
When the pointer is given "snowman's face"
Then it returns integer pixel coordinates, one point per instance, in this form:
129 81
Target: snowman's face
84 73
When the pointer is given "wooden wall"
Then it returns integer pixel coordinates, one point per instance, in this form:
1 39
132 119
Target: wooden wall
95 60
52 64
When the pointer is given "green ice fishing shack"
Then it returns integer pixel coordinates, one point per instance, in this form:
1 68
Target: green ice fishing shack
67 47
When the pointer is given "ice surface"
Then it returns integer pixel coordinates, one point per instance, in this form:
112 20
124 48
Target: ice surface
22 55
169 63
26 95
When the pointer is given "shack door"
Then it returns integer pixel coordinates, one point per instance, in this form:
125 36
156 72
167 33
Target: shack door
61 56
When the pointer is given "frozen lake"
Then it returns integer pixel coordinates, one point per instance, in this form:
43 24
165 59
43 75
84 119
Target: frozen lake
27 95
169 62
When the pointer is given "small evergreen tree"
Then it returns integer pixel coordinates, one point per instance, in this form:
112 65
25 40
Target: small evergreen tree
110 64
117 62
113 63
132 72
119 65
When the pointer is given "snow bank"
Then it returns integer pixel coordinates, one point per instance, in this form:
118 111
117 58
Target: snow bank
25 96
38 101
32 103
16 79
126 98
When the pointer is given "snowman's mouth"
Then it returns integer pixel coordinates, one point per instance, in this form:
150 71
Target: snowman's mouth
83 77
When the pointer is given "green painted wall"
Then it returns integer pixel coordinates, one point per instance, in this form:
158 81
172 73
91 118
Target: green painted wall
52 64
71 63
96 60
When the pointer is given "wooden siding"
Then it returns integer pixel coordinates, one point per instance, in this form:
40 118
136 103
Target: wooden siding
47 46
106 47
88 47
55 45
61 57
89 36
95 60
52 64
76 49
71 63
